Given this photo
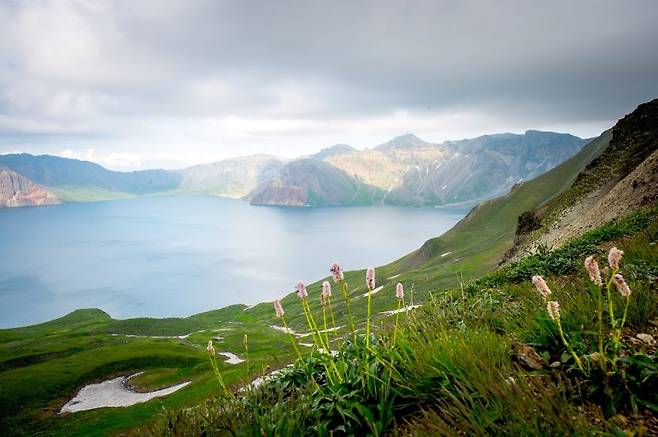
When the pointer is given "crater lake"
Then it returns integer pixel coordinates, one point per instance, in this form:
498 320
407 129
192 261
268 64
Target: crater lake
177 256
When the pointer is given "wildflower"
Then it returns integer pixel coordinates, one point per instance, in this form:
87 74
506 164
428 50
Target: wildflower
278 308
301 290
370 278
592 268
614 257
210 348
336 271
541 286
621 285
399 291
553 308
326 289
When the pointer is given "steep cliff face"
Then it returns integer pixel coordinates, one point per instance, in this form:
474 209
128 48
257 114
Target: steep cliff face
17 190
309 182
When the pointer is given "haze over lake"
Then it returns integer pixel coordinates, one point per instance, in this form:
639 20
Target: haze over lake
176 256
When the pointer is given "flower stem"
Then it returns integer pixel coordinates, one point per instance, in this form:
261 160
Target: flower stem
568 346
609 297
348 306
311 325
599 314
397 317
333 320
324 320
293 340
218 375
314 326
368 319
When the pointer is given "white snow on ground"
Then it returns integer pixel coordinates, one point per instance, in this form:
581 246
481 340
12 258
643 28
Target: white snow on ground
178 337
306 344
322 331
113 393
232 358
394 276
401 310
445 254
301 335
283 329
261 379
376 290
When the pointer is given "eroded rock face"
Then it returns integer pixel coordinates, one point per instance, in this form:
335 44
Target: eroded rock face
17 190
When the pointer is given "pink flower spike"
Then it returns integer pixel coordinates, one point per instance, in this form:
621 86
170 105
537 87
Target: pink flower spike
337 272
399 291
278 308
210 348
553 308
370 278
592 268
541 286
621 285
326 289
614 257
301 290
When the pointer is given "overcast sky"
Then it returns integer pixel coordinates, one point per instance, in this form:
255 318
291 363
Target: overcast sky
139 84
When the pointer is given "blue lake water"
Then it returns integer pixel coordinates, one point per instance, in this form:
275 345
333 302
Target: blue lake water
176 256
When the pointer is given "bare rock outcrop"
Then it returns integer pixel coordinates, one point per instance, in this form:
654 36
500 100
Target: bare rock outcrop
17 190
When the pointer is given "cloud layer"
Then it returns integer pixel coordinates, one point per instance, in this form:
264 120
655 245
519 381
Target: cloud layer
152 83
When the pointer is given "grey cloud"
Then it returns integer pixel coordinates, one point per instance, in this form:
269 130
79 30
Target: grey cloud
89 66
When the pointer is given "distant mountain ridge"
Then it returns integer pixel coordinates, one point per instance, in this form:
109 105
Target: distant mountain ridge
54 171
412 172
403 171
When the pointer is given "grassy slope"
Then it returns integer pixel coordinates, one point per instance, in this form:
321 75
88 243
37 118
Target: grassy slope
69 352
454 365
42 365
88 194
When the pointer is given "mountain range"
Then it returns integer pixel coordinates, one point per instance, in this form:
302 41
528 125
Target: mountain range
404 171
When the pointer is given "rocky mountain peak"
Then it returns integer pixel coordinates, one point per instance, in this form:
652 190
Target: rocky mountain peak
406 141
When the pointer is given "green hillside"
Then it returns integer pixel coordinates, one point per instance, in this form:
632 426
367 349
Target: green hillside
444 369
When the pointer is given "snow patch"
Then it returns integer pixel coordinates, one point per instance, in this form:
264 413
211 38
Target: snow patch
401 310
376 290
283 329
177 337
113 393
231 358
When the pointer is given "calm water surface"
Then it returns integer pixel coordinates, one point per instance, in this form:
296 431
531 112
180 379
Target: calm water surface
176 256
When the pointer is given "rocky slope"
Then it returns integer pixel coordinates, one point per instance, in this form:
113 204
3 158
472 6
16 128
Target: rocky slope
309 182
17 190
622 179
